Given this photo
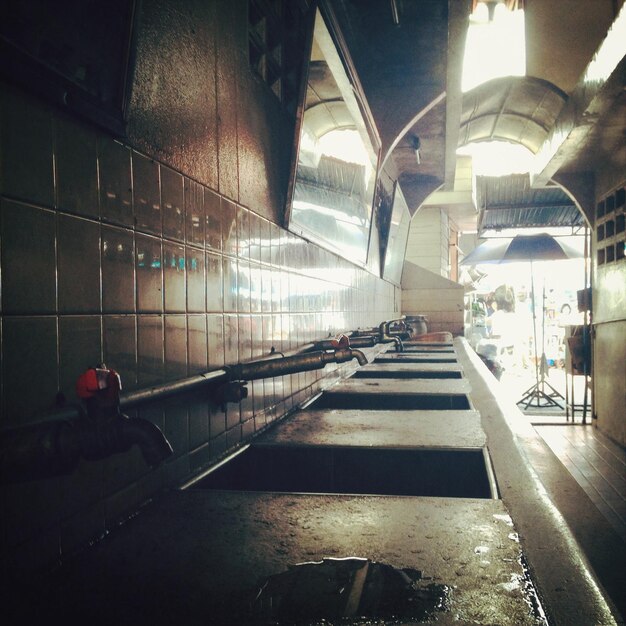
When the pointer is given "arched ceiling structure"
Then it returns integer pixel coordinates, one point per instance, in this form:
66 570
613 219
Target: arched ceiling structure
517 109
409 57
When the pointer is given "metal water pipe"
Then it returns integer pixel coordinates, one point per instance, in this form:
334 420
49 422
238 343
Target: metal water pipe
384 336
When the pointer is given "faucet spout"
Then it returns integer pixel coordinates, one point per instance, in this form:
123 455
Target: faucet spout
46 449
385 337
347 354
154 446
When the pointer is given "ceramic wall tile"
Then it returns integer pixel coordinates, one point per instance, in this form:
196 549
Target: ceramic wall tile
215 340
243 233
120 347
78 268
266 289
146 194
198 344
243 286
229 226
194 213
76 168
28 259
245 337
217 425
276 290
215 281
231 339
80 347
150 344
174 274
233 421
198 424
256 337
275 244
213 219
26 341
265 241
255 237
149 273
177 427
118 270
230 281
196 280
268 343
26 145
175 347
115 182
256 288
172 203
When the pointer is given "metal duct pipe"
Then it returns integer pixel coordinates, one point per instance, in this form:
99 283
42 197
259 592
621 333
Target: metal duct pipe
383 327
292 364
362 341
54 448
385 337
160 392
55 445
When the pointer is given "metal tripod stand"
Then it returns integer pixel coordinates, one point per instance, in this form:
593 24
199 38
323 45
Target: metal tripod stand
537 393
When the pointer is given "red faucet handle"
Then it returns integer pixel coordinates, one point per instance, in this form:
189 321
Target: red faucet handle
98 379
342 341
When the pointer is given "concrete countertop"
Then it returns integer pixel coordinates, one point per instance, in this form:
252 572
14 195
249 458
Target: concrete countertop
420 348
403 387
399 366
412 429
416 357
198 557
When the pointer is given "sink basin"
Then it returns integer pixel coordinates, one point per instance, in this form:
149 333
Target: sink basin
409 370
391 402
450 473
395 394
427 350
416 357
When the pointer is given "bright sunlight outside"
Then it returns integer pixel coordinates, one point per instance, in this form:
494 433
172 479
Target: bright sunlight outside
514 323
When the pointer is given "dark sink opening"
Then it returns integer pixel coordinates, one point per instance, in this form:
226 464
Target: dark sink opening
427 350
451 473
390 401
365 373
403 357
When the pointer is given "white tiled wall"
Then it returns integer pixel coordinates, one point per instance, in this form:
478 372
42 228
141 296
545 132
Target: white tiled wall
109 255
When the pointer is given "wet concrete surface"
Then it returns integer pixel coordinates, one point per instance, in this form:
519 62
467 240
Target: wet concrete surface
427 349
398 394
550 512
460 429
400 387
399 369
197 557
201 556
407 357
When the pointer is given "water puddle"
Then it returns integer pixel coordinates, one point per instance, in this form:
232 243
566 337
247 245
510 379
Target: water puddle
342 592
